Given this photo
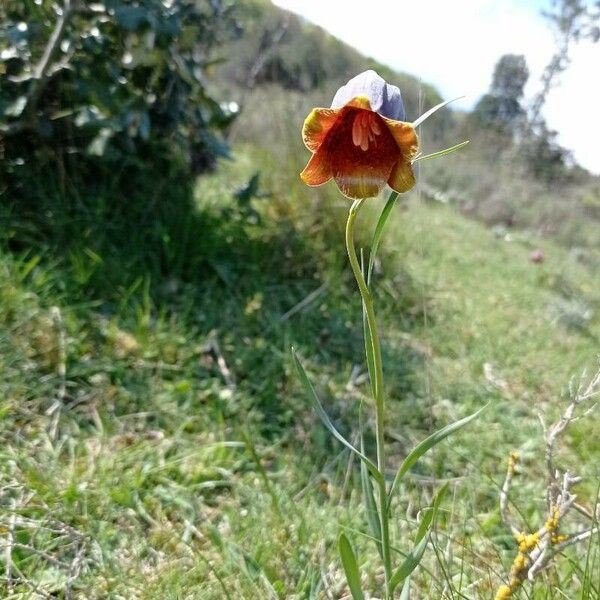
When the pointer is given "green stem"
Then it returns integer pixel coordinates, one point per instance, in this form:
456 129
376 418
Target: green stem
378 387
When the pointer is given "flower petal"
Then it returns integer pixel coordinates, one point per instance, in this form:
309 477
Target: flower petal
361 170
318 169
405 136
317 125
360 182
384 98
359 102
402 177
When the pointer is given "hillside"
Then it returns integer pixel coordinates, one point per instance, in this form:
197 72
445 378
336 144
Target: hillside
175 393
155 441
495 179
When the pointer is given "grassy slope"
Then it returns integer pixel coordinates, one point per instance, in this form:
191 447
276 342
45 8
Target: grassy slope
560 202
177 485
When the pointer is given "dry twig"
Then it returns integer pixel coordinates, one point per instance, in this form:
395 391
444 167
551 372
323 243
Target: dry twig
61 371
538 549
66 548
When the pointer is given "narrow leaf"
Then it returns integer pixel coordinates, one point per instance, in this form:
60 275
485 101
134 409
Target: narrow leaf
315 587
370 504
29 266
367 334
410 563
430 516
350 567
437 107
441 152
405 594
426 519
412 560
369 353
425 445
383 218
310 390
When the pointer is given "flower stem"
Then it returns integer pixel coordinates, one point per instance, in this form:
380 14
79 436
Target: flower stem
378 390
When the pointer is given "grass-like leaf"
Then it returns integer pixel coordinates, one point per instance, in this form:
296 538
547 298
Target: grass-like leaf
370 504
350 567
310 390
410 563
412 560
424 446
405 594
437 107
442 152
383 218
367 333
377 235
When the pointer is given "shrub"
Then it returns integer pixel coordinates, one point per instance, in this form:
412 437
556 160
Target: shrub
94 83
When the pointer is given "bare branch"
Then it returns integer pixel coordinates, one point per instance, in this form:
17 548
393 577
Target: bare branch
582 510
537 550
42 72
265 52
575 538
579 396
510 472
572 21
10 544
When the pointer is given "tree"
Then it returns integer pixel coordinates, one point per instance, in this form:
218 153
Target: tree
82 84
572 21
501 106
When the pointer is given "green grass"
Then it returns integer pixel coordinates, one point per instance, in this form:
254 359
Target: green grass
185 461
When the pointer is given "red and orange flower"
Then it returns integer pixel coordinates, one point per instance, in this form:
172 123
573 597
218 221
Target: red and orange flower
362 141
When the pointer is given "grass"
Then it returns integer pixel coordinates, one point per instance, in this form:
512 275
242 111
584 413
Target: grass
184 460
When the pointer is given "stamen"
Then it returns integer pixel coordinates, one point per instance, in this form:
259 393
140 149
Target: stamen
364 145
357 130
365 128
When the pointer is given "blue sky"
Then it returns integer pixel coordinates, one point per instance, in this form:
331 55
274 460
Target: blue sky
455 45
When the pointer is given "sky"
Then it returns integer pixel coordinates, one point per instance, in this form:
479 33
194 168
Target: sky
455 45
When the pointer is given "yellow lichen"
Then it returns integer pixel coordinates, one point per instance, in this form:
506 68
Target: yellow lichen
553 521
558 538
527 542
504 592
519 563
507 591
513 459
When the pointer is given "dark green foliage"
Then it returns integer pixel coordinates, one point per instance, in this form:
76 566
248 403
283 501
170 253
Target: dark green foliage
545 158
572 21
98 83
244 197
501 106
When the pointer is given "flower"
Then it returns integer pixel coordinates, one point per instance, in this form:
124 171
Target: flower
362 141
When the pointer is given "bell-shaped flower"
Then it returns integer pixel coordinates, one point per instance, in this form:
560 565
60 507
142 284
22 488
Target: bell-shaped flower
362 141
